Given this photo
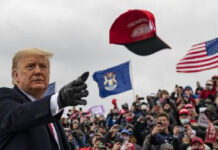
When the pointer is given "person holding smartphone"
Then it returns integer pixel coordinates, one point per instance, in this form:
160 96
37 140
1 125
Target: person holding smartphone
163 133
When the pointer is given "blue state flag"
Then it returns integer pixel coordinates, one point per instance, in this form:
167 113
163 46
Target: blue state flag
113 80
50 90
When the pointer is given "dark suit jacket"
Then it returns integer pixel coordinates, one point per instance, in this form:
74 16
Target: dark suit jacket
23 123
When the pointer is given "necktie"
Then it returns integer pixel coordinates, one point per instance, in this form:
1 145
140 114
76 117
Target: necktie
53 131
51 128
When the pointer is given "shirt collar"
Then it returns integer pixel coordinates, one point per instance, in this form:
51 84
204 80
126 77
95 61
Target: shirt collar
28 95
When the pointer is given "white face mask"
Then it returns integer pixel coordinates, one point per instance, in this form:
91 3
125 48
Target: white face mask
210 87
184 121
125 138
144 107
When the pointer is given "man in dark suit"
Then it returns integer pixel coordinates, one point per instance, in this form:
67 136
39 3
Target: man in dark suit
29 121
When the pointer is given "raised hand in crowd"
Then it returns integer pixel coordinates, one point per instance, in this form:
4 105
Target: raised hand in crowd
114 129
157 128
176 131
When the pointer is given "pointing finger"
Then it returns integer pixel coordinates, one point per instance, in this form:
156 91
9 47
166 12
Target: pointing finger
84 76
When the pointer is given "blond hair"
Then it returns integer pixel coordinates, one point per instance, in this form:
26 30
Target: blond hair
27 52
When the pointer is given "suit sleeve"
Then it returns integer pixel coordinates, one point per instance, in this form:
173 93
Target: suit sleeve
16 116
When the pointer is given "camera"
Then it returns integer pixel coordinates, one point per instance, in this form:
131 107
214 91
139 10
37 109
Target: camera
182 129
159 123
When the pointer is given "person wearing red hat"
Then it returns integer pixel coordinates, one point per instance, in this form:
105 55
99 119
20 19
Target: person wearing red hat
192 112
198 144
184 116
209 91
189 129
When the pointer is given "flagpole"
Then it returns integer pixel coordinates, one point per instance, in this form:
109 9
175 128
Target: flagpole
131 76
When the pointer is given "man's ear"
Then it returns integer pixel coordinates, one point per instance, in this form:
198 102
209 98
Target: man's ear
16 76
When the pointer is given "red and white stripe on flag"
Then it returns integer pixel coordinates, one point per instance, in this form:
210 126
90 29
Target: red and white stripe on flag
200 57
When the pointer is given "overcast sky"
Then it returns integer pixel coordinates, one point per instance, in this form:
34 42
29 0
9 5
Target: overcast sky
77 32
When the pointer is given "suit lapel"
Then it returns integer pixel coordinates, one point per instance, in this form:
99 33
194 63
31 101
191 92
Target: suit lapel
21 94
64 145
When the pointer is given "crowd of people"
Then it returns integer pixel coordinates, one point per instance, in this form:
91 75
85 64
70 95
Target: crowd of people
185 118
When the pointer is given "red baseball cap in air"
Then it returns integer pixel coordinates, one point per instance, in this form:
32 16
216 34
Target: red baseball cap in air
136 30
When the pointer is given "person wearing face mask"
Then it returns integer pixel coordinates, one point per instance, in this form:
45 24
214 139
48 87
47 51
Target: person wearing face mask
125 135
191 128
144 108
184 116
193 114
209 91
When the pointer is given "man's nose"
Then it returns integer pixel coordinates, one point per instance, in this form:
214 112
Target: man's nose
38 69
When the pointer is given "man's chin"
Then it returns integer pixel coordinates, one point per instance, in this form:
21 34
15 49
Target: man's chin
38 88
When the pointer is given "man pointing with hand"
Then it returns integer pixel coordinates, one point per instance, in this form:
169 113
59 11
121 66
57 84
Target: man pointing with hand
72 93
29 121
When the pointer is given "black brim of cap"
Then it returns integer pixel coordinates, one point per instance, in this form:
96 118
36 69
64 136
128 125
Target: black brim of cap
147 47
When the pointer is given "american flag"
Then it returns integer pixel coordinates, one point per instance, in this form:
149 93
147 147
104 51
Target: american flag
50 90
200 57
